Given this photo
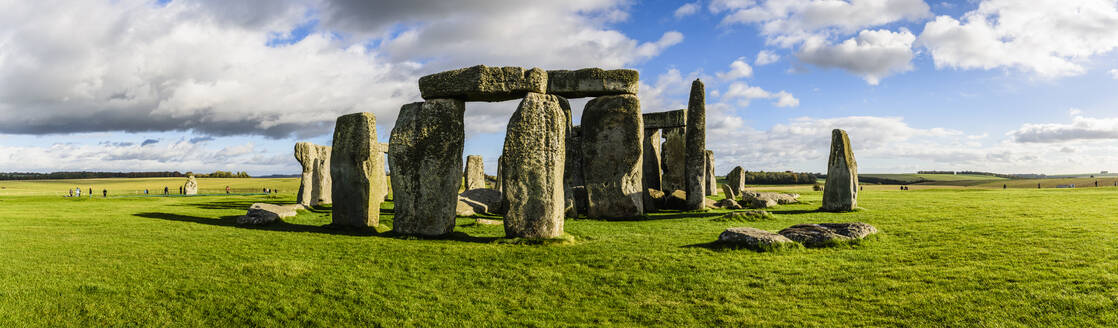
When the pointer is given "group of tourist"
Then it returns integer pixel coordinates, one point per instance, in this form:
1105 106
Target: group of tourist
77 192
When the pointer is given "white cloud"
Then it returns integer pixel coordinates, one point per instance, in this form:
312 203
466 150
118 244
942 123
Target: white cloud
738 69
1081 128
872 55
1050 38
813 26
744 93
1074 111
765 57
687 9
1114 73
207 65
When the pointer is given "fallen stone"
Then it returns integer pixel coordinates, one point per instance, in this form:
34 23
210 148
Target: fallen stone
778 197
694 175
728 192
840 193
261 213
677 200
490 222
480 201
474 177
856 230
746 216
425 156
482 83
827 234
357 171
592 82
534 158
759 202
753 238
728 204
612 156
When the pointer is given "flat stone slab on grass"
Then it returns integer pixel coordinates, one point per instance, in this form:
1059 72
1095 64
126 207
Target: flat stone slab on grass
827 234
592 82
261 213
753 238
483 83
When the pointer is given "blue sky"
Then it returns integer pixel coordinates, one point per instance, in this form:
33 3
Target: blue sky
197 85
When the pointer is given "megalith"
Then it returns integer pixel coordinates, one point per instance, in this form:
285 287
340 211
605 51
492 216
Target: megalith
840 193
592 82
673 159
574 172
425 156
572 166
736 181
191 186
651 161
712 180
306 153
357 172
474 177
483 83
611 136
323 184
695 169
533 165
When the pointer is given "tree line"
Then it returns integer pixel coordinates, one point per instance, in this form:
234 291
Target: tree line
101 175
786 177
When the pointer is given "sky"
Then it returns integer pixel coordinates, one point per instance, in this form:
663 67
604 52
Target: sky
1005 86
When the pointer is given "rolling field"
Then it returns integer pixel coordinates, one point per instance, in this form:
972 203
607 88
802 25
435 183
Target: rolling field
945 257
136 186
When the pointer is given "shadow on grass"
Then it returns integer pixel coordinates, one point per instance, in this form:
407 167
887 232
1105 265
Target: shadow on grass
720 246
664 215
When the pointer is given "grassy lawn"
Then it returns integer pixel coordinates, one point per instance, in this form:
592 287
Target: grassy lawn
946 257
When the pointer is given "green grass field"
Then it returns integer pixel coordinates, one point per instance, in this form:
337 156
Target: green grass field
945 258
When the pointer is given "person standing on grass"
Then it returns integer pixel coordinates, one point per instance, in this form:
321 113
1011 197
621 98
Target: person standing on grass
166 191
1003 186
1096 183
104 193
71 193
79 191
226 189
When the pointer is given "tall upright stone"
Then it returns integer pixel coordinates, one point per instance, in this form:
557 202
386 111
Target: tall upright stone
574 171
191 186
612 130
841 191
652 169
695 170
357 173
425 155
673 159
534 160
572 167
306 154
736 181
474 177
712 180
315 183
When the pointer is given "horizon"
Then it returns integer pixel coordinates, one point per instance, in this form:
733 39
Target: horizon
138 86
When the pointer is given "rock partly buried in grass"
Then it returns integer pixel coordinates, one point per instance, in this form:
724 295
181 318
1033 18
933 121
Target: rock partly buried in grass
728 204
753 238
745 216
261 213
490 222
677 200
827 234
758 202
778 197
475 201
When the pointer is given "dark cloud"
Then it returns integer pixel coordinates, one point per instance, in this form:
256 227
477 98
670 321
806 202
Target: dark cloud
200 139
149 142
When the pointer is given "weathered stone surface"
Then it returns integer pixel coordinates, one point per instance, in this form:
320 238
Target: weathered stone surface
534 158
357 171
474 177
677 200
191 186
758 202
499 175
261 213
777 197
726 191
840 193
323 192
489 222
712 180
694 175
480 201
315 184
827 234
651 161
736 181
592 82
750 216
573 173
728 204
673 159
482 83
655 199
572 168
665 120
425 155
753 238
612 156
464 209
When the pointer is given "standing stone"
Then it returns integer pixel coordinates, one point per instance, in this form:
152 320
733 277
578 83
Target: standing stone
425 155
841 191
652 169
305 153
695 170
357 172
499 179
574 171
673 159
736 181
712 180
475 173
572 167
322 192
534 159
191 187
611 162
